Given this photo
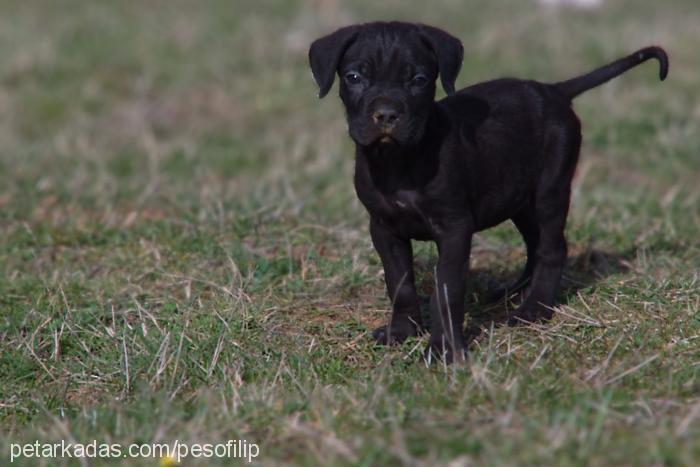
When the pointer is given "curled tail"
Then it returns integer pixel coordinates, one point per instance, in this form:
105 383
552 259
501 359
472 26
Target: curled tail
575 86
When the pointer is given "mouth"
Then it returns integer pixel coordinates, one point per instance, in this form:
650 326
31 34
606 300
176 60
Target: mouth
382 135
387 135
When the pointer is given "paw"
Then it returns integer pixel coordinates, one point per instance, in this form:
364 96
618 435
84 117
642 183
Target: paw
529 313
440 350
395 333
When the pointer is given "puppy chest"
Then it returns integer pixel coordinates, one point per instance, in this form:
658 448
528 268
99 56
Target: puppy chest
410 215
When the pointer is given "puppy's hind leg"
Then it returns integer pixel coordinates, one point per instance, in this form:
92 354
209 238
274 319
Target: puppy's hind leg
526 223
551 209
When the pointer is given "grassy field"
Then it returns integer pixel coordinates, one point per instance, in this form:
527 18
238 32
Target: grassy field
182 256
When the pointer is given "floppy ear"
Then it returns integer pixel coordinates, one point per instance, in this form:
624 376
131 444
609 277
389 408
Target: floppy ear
325 54
449 52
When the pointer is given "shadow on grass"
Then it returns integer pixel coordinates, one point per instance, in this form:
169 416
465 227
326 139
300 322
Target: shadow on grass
582 271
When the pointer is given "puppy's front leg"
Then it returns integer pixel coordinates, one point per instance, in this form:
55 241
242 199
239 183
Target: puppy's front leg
397 257
447 301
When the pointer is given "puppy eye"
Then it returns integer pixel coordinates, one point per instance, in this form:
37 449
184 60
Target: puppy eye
353 77
419 81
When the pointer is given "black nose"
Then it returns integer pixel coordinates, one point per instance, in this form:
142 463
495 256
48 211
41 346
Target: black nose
385 115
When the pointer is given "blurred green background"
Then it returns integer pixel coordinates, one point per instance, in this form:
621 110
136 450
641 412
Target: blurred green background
182 255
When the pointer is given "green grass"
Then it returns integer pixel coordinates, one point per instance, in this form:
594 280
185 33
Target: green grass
182 255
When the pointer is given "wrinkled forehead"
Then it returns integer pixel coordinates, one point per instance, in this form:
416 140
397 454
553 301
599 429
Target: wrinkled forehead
381 50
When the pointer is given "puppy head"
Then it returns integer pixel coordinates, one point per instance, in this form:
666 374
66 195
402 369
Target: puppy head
387 77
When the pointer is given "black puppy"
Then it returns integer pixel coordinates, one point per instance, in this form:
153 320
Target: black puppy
426 170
